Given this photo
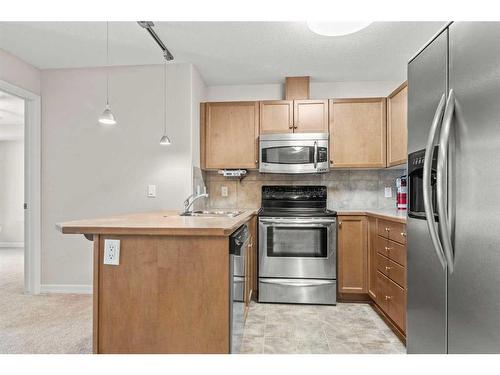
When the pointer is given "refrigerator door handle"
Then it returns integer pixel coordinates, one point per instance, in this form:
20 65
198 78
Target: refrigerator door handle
428 206
442 163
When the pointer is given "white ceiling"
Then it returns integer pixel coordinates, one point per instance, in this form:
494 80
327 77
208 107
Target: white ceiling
226 52
11 117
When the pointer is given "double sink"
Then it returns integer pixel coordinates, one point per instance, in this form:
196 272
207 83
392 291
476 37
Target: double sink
212 213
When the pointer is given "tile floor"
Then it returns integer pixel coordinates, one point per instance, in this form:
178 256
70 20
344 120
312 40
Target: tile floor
347 328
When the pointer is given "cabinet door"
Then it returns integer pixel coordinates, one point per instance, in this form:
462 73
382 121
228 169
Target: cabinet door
372 257
352 254
310 116
358 133
276 116
397 129
231 135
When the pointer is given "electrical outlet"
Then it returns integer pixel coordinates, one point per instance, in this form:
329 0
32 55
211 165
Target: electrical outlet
223 191
152 191
388 192
112 252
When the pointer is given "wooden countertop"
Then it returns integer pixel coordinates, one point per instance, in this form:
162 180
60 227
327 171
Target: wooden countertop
164 223
387 214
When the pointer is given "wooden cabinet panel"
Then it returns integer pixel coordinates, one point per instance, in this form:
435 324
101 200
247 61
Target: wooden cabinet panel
358 133
251 281
392 270
372 256
310 116
231 135
397 129
392 300
352 254
276 116
392 250
393 231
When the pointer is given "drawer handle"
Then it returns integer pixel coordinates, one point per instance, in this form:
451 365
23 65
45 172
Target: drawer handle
387 229
403 234
387 268
388 298
388 248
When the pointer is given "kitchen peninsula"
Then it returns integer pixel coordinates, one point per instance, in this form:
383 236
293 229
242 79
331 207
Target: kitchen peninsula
170 291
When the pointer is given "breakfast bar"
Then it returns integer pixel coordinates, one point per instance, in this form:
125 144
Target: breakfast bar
169 292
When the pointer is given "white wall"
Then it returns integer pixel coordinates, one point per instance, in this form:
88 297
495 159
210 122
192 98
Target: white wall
89 170
19 73
198 95
319 90
11 193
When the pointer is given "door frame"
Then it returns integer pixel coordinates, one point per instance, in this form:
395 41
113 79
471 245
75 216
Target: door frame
32 185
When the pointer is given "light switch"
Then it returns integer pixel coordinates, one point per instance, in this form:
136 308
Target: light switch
388 192
223 191
152 191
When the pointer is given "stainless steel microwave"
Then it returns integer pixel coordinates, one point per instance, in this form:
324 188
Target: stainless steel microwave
294 153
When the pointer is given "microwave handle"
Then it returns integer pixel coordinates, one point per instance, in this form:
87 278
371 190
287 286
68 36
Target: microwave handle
315 154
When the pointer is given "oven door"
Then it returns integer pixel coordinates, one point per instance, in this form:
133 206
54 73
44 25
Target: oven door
297 247
298 156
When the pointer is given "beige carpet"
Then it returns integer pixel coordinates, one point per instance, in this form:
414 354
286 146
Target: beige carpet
56 323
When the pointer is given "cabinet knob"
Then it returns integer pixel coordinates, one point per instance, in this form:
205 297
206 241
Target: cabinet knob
387 268
387 298
387 229
340 224
403 234
388 248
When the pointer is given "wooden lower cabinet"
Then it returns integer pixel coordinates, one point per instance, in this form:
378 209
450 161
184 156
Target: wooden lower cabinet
372 255
389 261
352 254
251 280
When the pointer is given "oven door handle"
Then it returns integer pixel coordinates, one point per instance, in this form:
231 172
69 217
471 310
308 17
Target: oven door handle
315 154
298 223
296 282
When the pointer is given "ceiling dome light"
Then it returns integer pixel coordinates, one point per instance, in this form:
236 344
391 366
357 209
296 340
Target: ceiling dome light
337 28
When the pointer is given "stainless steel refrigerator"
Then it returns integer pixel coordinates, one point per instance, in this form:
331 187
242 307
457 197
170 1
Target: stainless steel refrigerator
454 192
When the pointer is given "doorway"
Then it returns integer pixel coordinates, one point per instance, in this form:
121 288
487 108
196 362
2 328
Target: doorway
12 120
20 167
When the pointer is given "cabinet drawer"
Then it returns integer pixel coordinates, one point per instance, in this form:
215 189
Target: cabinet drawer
393 231
392 250
392 270
392 300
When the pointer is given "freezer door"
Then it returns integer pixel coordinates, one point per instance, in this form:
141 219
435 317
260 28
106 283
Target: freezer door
426 305
474 286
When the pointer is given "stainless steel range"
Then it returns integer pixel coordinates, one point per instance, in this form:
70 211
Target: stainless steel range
297 246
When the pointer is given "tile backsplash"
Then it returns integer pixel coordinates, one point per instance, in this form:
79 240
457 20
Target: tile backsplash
347 189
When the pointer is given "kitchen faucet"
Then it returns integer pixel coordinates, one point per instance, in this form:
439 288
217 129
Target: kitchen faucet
193 198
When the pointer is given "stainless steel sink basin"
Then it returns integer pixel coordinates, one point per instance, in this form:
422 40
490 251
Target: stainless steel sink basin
213 213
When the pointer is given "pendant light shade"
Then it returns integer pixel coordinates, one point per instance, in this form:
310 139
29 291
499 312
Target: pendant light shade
107 117
165 140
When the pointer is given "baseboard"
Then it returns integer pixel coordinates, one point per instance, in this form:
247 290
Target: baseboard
66 288
11 244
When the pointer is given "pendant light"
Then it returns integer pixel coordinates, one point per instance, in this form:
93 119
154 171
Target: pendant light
107 118
165 140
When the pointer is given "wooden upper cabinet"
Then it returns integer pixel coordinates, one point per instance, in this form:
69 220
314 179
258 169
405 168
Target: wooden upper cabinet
293 116
358 133
276 116
231 134
397 129
310 116
352 254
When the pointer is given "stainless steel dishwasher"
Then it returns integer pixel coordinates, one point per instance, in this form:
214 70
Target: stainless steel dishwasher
238 243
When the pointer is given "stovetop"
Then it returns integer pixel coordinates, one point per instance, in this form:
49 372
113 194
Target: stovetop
295 201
